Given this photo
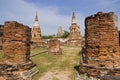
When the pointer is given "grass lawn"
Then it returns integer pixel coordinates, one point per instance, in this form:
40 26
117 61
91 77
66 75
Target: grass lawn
0 55
56 67
57 63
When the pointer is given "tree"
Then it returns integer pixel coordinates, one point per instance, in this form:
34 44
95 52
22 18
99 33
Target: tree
47 37
65 34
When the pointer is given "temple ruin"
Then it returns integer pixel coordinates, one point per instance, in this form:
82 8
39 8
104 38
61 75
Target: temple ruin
74 37
101 56
16 63
36 34
54 46
59 34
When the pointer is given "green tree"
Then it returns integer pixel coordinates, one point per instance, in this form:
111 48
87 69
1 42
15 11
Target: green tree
47 37
65 34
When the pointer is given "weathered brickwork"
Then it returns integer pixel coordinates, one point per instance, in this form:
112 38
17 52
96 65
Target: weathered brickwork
16 63
54 47
101 52
16 43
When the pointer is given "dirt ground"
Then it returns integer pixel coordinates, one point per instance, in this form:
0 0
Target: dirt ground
64 75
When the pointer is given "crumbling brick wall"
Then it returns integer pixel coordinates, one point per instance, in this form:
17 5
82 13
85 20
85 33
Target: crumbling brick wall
102 42
16 43
16 63
54 47
101 52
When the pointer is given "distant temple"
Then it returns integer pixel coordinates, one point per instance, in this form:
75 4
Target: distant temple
36 34
59 34
74 37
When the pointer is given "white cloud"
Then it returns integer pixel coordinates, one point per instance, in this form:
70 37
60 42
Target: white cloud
49 16
24 12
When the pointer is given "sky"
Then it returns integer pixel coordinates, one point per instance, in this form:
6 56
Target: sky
55 13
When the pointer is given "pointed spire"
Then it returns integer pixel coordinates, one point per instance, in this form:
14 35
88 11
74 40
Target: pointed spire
73 15
36 24
73 18
36 18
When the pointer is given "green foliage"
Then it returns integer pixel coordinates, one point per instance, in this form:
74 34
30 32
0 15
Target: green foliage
65 34
47 37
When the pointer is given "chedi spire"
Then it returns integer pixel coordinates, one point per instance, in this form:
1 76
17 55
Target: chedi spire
36 18
36 24
73 18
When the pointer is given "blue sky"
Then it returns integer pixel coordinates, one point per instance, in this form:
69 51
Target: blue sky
54 13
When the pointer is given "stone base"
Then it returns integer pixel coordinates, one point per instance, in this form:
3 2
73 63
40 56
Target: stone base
28 74
85 77
55 52
18 72
74 43
100 72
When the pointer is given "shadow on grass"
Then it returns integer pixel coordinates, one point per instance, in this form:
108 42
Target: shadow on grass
77 68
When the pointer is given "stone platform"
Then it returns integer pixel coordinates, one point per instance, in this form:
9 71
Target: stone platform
18 72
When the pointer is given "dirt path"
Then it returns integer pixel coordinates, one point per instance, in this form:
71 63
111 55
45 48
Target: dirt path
56 76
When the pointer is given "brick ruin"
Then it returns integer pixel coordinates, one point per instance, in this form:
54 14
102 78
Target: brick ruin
1 34
54 46
36 34
101 56
16 63
74 37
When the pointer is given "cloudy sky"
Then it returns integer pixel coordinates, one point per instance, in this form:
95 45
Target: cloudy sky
54 13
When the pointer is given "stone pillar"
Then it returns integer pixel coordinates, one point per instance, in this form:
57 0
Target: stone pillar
54 47
16 51
101 45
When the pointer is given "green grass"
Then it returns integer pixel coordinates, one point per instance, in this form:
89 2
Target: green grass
64 62
0 55
52 63
37 50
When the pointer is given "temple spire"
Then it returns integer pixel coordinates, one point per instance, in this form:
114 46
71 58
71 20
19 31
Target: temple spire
36 18
73 18
36 23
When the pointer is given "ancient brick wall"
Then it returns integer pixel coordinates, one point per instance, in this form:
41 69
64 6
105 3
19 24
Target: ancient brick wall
102 42
101 45
54 47
16 43
16 63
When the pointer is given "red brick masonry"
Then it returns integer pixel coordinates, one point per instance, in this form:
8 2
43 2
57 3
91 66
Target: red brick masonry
101 52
